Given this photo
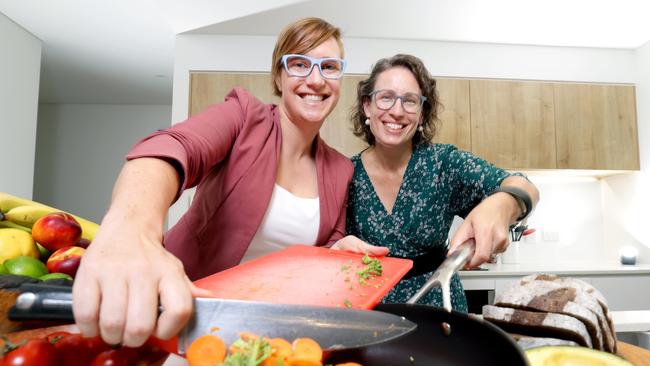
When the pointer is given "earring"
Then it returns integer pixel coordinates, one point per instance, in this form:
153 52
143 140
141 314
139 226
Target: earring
367 122
420 128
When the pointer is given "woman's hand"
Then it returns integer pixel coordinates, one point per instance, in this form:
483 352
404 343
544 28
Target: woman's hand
126 273
122 277
489 222
488 225
353 244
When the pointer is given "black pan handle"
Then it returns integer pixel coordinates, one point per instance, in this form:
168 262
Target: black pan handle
442 277
39 301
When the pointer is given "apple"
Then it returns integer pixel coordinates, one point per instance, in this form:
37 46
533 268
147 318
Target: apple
56 230
66 260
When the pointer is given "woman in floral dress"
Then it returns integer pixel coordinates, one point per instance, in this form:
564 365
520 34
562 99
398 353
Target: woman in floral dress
406 191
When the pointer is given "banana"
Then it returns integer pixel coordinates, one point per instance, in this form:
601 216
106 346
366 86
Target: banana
5 224
7 202
28 214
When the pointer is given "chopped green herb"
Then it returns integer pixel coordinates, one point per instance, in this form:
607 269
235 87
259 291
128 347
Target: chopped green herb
254 352
373 268
347 303
346 267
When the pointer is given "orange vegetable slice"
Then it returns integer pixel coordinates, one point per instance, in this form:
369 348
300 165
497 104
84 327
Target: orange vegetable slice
281 351
306 349
303 362
207 350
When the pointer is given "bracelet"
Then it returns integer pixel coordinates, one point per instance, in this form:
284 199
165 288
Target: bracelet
522 197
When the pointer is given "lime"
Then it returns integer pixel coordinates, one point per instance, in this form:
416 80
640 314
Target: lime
55 276
3 269
26 266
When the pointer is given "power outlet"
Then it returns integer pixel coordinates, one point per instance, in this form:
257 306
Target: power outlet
550 235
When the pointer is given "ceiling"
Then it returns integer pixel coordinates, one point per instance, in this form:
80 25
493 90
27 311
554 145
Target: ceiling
122 51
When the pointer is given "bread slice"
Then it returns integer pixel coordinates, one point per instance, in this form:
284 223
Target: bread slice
538 324
544 296
526 342
601 311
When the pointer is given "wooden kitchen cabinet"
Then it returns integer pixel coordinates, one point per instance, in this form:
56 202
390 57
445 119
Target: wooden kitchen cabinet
210 87
596 127
513 124
207 88
454 115
520 125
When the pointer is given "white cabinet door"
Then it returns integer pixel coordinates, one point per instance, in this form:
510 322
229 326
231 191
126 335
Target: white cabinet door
624 292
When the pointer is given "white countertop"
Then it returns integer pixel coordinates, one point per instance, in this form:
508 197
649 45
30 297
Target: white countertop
631 321
559 268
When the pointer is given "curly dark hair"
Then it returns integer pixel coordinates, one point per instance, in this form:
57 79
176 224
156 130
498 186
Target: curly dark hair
427 84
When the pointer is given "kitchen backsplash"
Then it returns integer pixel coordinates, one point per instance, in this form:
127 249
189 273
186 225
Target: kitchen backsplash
570 224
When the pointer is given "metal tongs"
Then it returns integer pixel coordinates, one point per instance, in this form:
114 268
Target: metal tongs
442 277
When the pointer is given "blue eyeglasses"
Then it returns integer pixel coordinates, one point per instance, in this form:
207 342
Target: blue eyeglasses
301 66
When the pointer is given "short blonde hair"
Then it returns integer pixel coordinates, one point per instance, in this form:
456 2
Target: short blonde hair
301 37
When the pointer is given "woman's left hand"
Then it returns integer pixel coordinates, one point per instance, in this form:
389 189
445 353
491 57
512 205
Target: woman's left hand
353 244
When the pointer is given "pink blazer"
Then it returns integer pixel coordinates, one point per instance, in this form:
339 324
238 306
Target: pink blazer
230 152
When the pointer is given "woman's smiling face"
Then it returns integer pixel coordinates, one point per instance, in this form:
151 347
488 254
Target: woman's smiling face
395 126
310 99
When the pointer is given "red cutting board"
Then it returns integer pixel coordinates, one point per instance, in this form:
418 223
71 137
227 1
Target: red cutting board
307 275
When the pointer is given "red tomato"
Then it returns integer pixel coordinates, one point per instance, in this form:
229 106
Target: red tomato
56 336
35 352
114 357
132 355
96 345
74 350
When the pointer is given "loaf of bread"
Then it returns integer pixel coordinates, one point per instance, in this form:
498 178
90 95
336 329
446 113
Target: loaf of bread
538 324
527 342
550 306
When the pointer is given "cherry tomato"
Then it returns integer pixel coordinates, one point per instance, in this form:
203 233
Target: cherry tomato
96 345
56 336
35 352
114 357
132 355
74 350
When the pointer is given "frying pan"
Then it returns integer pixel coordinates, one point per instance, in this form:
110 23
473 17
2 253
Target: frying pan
443 337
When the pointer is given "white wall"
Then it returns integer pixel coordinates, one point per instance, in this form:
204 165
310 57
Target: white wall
20 66
570 207
627 198
81 148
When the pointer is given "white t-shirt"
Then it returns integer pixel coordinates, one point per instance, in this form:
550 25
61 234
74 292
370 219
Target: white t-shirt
288 220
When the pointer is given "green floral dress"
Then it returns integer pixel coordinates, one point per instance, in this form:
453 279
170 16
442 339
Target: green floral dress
439 183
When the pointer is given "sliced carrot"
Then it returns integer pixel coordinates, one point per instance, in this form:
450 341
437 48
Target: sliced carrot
275 361
306 349
303 362
248 336
207 350
280 347
281 351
